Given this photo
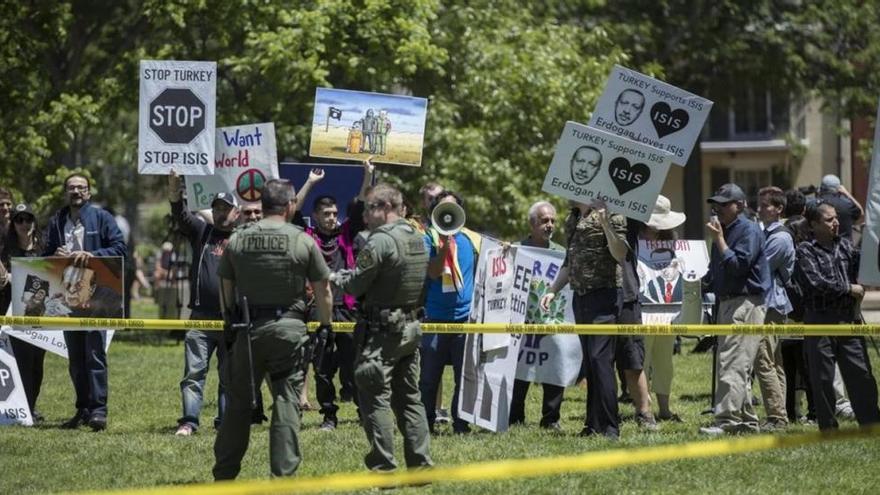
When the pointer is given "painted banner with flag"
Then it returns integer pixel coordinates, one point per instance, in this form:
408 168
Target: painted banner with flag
244 159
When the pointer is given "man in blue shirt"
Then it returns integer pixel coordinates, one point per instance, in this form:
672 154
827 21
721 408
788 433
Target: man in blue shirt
449 289
779 250
739 276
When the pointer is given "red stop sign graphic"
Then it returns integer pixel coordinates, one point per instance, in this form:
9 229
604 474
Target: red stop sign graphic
249 183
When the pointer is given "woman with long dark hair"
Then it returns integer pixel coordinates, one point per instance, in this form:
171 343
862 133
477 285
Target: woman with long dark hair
24 240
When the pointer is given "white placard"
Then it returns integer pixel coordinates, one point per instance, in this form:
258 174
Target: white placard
590 164
663 265
176 117
653 112
14 408
244 159
869 266
487 383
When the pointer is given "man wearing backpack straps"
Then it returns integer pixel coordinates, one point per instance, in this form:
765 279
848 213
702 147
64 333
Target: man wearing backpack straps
779 250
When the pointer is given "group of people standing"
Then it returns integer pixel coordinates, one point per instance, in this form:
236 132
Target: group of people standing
369 134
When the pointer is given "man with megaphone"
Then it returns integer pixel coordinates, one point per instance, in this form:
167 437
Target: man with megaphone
454 252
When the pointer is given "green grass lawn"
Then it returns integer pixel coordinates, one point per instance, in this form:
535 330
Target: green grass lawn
139 448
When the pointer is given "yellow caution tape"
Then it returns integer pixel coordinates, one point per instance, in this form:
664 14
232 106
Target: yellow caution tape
57 322
513 469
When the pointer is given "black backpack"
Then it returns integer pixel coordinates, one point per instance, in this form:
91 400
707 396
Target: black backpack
792 287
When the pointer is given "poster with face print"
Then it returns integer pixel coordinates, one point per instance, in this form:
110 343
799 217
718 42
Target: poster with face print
652 112
591 165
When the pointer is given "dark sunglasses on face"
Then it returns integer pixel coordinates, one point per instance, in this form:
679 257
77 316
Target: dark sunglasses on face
24 219
375 205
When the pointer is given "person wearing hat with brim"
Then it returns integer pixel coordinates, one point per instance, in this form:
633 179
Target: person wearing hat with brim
25 240
659 348
208 241
739 275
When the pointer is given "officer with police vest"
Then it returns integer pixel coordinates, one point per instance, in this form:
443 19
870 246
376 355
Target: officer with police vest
390 275
268 265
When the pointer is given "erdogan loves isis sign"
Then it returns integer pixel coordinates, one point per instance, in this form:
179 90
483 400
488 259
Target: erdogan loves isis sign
593 165
651 112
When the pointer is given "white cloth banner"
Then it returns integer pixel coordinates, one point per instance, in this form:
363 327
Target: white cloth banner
652 112
14 408
176 117
590 164
554 359
244 159
869 267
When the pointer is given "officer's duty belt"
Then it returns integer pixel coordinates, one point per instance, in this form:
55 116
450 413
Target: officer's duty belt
275 312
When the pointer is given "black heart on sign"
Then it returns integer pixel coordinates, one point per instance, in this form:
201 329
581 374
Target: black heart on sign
627 177
666 121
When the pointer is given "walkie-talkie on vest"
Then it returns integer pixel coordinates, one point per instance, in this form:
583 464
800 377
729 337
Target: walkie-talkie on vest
245 327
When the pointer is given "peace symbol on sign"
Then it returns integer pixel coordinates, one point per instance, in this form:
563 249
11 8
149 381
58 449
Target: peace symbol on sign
249 183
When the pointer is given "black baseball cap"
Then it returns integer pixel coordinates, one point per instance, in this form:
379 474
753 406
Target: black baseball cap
22 209
226 197
727 193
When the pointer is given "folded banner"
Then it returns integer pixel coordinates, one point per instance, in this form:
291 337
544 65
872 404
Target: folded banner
56 287
869 266
652 112
245 157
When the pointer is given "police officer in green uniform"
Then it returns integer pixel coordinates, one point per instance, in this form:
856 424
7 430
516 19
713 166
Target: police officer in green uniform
390 275
269 263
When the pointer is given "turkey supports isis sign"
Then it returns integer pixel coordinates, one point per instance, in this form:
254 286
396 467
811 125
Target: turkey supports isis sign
176 117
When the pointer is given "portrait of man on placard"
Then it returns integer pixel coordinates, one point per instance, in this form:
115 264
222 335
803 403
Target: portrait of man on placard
664 284
585 164
628 106
82 296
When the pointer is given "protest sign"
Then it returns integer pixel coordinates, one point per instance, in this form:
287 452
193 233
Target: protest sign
245 158
869 266
487 382
176 117
354 125
590 164
652 112
342 181
14 408
664 265
554 359
55 287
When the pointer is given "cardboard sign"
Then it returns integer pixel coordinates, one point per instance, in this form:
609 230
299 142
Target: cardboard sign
341 180
869 266
14 408
244 159
354 125
663 266
652 112
593 165
55 287
176 117
555 358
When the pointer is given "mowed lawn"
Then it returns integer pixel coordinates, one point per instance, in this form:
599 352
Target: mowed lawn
139 448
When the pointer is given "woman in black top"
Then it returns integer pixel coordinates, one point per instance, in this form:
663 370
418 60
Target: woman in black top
24 240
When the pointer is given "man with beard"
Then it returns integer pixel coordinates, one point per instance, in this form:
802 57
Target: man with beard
542 222
208 243
80 231
339 244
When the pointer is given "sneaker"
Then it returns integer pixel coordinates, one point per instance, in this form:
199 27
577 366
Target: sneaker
647 422
328 425
78 419
443 416
845 411
772 425
98 423
184 430
553 427
712 431
589 432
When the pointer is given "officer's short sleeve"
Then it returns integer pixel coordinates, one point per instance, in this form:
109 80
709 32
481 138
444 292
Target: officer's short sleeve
317 269
226 269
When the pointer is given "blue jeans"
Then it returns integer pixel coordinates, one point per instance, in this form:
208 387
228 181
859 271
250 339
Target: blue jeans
436 351
198 347
87 364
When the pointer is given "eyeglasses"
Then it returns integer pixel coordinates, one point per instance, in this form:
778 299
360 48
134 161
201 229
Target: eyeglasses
24 219
77 188
374 205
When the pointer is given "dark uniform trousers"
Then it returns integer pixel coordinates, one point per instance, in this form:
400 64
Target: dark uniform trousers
599 306
387 377
278 351
339 354
795 365
550 404
851 355
87 365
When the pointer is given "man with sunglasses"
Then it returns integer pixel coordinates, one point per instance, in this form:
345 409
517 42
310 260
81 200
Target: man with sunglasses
81 230
251 212
208 242
739 275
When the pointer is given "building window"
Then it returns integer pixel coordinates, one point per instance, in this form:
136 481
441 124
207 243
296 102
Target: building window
750 114
751 181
